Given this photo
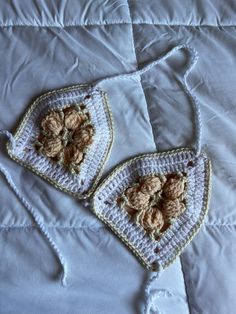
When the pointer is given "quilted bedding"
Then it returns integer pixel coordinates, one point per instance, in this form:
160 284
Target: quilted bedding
47 45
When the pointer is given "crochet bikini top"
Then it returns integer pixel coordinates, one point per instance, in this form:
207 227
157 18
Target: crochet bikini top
155 203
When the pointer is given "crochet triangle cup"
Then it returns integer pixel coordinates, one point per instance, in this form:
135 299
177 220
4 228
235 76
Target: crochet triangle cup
155 203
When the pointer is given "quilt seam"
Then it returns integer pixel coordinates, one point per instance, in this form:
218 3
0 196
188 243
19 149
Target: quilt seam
15 226
140 81
110 23
32 226
185 284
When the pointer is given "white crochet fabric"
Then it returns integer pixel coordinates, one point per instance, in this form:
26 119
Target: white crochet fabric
156 254
80 185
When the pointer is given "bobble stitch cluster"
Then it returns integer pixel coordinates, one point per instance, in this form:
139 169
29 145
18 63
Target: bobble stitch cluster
154 202
65 136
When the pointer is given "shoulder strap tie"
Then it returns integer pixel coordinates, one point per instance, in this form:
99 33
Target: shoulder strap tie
33 213
193 100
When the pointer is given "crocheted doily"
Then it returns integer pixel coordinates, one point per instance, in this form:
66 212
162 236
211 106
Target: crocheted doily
182 200
65 137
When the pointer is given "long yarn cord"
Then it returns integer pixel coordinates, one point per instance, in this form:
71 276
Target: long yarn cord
149 298
152 296
33 213
194 102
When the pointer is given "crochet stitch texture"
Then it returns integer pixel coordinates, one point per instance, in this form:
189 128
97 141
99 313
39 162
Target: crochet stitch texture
154 202
65 136
167 193
52 134
160 252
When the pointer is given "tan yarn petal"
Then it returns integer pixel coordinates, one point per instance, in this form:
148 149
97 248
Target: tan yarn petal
52 124
72 155
174 187
83 137
137 199
151 185
130 191
52 147
73 119
151 219
173 208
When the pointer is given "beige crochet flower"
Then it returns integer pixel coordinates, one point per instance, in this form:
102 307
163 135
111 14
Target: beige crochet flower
151 219
155 201
52 147
137 199
65 135
83 137
73 155
173 208
151 185
174 187
73 119
52 124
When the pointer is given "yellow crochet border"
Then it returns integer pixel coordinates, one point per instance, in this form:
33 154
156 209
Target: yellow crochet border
24 120
203 213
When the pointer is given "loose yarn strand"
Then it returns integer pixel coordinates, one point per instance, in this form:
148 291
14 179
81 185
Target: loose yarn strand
152 296
31 210
194 102
148 297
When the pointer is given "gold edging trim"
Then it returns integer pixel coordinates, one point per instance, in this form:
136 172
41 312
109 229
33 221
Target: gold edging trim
205 208
24 120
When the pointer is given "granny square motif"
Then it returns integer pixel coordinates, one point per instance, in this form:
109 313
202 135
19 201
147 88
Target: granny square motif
157 217
65 137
